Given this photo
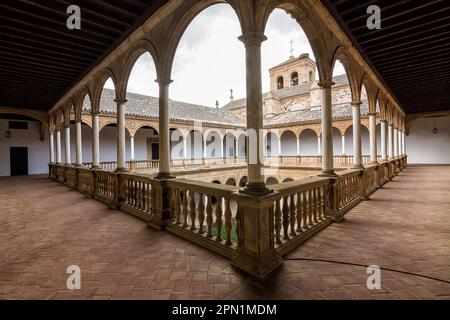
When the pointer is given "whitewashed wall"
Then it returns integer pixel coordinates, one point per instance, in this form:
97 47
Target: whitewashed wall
38 153
422 146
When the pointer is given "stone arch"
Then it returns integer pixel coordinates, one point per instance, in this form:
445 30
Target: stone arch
44 118
288 143
308 138
294 78
242 145
271 181
194 144
141 47
214 140
106 74
352 70
243 181
303 15
183 23
288 180
271 143
79 101
280 82
371 91
229 145
177 138
231 181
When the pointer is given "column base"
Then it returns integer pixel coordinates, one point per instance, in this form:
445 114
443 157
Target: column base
96 167
121 170
328 174
357 166
374 163
164 176
258 266
256 189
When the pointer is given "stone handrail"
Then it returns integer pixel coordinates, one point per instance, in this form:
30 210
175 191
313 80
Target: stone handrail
348 191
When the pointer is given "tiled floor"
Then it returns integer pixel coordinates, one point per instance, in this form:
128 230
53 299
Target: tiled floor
44 228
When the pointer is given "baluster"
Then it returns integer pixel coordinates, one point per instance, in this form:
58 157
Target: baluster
277 215
228 225
193 213
176 196
315 205
285 218
310 208
184 213
201 213
219 218
292 215
299 213
304 210
209 217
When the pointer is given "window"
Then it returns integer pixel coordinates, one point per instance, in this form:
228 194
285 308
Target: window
18 125
294 79
280 83
310 76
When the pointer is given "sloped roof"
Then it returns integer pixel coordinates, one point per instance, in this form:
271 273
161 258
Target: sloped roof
340 111
147 106
304 88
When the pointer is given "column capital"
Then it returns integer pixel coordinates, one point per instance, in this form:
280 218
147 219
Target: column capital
356 104
253 38
120 101
372 114
164 81
326 84
383 120
95 113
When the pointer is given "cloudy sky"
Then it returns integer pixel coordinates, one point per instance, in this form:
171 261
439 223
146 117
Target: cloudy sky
210 60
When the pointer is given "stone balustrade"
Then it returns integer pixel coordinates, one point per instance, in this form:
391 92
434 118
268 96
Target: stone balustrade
253 231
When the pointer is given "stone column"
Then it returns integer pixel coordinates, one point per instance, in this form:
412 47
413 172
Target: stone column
373 138
51 140
58 145
400 148
132 148
121 167
221 149
319 146
164 131
298 146
383 141
95 141
395 137
205 153
236 147
357 152
404 143
279 146
252 42
327 130
184 148
391 141
79 143
343 144
67 143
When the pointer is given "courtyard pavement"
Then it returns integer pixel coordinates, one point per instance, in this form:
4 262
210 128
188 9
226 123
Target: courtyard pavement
45 227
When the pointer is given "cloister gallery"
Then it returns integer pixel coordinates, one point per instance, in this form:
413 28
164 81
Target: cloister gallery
248 183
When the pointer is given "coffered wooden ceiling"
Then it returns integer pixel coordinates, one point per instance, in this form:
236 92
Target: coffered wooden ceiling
41 58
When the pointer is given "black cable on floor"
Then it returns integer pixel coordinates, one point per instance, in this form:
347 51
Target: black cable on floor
363 265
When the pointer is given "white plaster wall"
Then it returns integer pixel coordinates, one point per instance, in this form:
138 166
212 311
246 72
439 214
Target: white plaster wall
288 144
422 146
365 141
38 151
308 143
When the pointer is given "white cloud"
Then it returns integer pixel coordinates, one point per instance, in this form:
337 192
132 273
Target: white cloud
210 60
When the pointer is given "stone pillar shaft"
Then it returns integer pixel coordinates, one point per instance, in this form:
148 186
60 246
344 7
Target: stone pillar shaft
67 143
79 161
164 134
357 152
51 139
58 146
132 148
121 135
252 42
395 137
327 131
373 138
383 141
95 141
391 141
298 146
343 144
